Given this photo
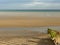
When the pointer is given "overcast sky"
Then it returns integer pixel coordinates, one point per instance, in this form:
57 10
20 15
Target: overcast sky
29 4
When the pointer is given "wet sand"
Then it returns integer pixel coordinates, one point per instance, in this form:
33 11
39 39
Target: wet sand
32 40
29 19
9 19
24 37
29 22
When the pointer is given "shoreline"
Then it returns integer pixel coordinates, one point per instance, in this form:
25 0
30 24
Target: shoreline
29 19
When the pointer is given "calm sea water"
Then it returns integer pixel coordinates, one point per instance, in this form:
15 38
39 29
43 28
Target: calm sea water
41 29
29 10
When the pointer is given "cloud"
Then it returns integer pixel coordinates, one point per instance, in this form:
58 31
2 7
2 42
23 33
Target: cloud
29 4
36 4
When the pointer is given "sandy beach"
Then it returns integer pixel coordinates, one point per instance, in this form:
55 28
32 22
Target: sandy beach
39 39
33 22
26 19
29 19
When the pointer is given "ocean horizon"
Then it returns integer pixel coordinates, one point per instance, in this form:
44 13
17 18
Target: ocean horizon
29 10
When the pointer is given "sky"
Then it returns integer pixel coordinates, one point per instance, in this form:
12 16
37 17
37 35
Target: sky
29 4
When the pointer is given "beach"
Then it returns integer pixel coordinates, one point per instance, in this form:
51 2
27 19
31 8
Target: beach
29 19
36 38
26 22
27 28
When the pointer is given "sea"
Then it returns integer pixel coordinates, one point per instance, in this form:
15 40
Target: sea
29 10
